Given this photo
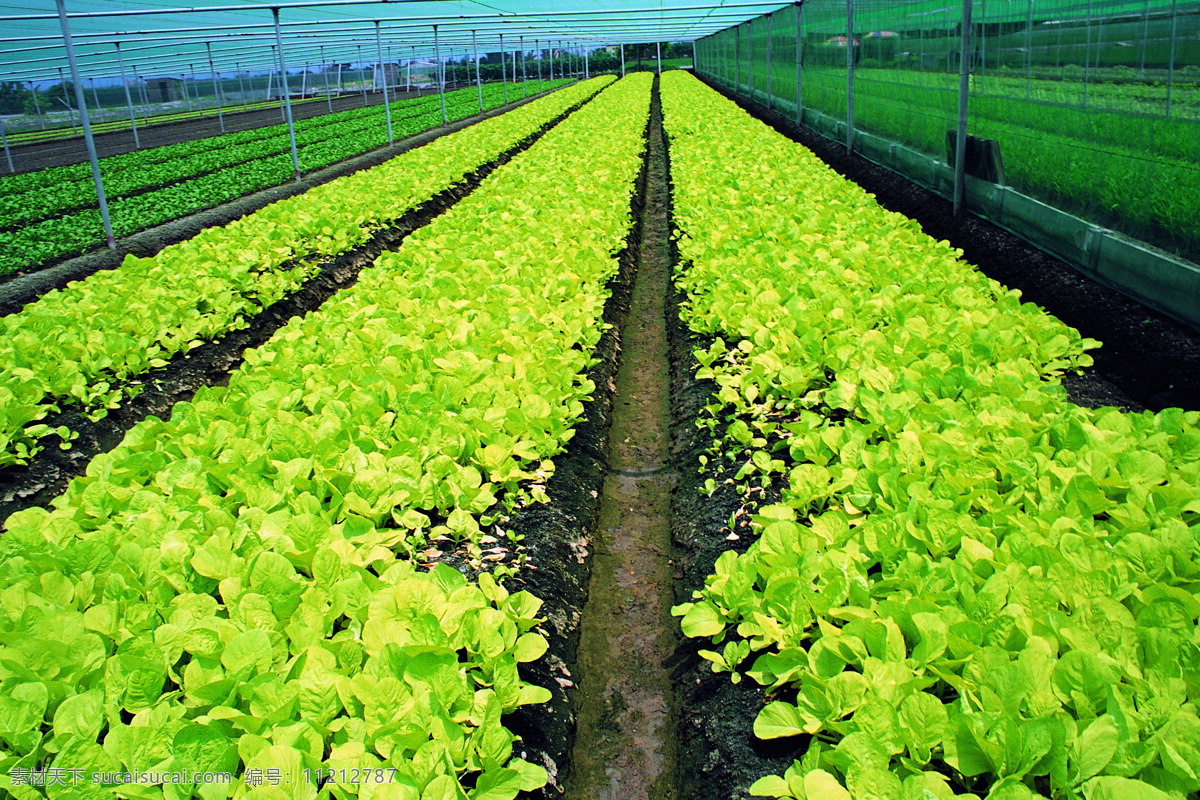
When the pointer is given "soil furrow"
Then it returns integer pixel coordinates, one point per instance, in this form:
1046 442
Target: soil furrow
625 744
557 538
48 473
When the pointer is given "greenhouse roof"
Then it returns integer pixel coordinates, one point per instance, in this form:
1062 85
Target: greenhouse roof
157 38
172 38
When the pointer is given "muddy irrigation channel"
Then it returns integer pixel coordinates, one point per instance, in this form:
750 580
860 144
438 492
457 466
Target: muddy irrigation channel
636 714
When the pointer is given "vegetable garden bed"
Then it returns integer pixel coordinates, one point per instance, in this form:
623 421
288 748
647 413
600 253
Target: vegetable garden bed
935 565
391 485
970 586
43 222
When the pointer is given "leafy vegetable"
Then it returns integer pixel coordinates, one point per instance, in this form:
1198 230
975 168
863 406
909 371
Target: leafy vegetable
73 345
971 586
237 588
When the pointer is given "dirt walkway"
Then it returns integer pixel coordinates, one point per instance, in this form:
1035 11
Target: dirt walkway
624 747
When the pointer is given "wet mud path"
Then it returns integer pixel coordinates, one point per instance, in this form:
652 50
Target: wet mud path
625 731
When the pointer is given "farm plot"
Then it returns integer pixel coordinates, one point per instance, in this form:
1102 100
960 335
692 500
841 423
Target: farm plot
238 588
969 586
57 190
51 221
79 345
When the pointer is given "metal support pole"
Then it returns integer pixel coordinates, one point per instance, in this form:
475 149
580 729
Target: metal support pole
304 81
1171 57
362 79
503 70
325 72
964 89
216 87
187 98
524 77
95 97
478 79
1029 47
537 48
749 60
128 100
737 64
1145 36
622 60
437 54
196 86
145 97
979 78
799 65
66 99
87 128
271 77
287 101
1087 54
770 31
339 79
658 55
7 152
37 107
387 109
241 84
408 70
850 76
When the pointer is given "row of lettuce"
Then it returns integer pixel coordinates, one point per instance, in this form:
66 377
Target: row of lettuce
80 345
60 219
237 589
971 586
33 196
109 126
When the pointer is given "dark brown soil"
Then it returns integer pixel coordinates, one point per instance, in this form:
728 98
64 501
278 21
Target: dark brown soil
624 748
559 541
1147 360
47 474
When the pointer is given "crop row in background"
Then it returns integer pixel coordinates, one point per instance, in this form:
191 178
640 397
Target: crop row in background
51 214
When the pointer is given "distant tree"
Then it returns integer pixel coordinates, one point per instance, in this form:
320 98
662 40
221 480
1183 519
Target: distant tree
13 97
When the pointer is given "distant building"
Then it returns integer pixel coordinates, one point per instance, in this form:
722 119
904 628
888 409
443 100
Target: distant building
163 90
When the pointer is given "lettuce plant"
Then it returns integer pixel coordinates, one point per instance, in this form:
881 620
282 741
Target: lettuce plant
243 587
971 587
73 345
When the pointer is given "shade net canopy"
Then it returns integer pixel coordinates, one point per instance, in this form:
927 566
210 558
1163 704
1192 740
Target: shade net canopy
1094 106
177 39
